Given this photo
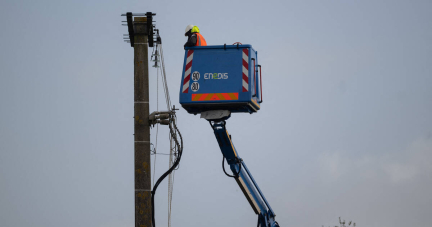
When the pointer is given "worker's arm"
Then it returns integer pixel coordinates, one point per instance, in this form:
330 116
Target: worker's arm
191 41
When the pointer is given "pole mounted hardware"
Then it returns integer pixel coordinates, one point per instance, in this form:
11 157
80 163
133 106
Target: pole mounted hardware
162 117
150 32
150 27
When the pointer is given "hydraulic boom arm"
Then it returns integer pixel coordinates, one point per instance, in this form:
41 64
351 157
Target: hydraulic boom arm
243 177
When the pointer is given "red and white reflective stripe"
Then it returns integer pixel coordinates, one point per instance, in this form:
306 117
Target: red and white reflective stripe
245 70
188 69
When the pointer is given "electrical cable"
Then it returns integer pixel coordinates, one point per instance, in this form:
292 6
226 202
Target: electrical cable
164 77
168 102
236 175
170 181
174 131
170 192
164 80
175 150
176 162
157 109
164 154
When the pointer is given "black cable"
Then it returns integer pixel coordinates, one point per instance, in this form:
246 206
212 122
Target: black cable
223 167
236 175
176 163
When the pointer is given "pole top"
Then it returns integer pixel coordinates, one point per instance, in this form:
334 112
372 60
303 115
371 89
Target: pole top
141 18
140 14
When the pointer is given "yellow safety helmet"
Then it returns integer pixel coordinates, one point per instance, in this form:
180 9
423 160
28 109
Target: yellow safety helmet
195 29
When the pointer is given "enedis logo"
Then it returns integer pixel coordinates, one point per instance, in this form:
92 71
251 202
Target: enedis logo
215 76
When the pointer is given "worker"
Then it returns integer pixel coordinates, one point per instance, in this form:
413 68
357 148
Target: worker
194 37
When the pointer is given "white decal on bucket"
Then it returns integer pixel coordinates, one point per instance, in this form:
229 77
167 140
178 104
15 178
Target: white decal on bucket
195 86
195 76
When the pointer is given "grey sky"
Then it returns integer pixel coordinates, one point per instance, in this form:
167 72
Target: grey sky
344 130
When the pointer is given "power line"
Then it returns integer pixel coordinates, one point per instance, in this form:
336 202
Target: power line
176 141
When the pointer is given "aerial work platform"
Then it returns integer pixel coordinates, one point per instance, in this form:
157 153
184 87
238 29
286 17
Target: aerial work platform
218 81
223 77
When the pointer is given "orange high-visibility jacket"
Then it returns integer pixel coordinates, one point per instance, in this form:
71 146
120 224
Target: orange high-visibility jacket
200 40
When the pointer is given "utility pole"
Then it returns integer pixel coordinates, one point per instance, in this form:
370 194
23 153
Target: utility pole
141 37
143 209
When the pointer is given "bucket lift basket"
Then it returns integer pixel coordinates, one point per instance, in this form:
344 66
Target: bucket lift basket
223 77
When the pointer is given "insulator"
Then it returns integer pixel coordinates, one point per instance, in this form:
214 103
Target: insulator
163 116
164 122
155 54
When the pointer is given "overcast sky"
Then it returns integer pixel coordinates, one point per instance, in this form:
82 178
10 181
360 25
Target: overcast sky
345 128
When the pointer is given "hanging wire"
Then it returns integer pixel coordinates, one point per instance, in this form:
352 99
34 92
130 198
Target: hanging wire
173 147
172 144
170 184
176 140
179 144
157 109
164 154
165 84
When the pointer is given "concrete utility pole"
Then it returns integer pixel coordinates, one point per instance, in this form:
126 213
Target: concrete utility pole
143 209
